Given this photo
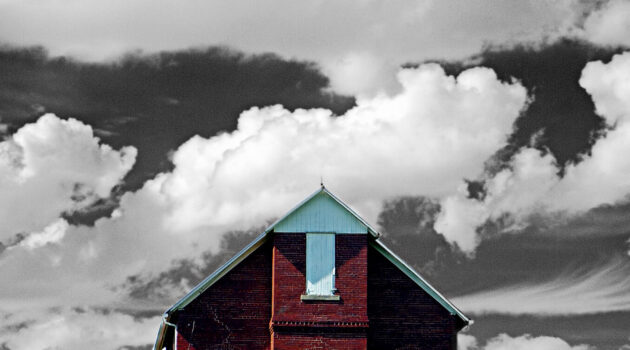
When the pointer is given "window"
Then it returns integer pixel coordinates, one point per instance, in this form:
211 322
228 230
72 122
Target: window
320 264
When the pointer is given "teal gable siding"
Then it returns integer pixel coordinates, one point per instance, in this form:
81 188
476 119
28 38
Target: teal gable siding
321 213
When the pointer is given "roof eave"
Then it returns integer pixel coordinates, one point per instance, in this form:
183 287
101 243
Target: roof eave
220 272
420 281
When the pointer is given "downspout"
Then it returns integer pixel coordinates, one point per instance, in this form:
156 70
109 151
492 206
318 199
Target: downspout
159 342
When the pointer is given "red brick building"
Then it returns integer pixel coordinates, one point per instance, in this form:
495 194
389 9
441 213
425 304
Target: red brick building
318 278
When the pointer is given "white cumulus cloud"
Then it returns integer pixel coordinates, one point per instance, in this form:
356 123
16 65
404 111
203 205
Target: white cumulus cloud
51 234
52 166
422 140
609 25
532 185
361 74
466 342
75 329
521 342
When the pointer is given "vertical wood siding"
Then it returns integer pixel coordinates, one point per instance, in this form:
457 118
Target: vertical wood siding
320 263
321 214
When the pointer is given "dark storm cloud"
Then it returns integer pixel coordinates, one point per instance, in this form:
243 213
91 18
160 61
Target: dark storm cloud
561 116
603 221
407 226
533 255
561 109
539 255
155 102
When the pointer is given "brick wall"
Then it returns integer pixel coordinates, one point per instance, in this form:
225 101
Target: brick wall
290 281
310 324
402 315
234 313
319 338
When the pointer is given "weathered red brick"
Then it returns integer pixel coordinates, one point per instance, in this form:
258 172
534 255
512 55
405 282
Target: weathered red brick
319 324
402 315
257 304
233 313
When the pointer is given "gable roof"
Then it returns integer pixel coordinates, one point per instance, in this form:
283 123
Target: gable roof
322 203
319 201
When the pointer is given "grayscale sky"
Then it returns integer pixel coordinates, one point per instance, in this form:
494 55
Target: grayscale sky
142 143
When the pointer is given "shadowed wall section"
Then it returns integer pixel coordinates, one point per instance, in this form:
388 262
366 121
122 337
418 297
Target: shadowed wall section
235 312
402 315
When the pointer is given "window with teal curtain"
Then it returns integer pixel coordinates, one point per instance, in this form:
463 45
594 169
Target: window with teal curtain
320 263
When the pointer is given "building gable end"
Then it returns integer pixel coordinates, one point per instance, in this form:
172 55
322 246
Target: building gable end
321 212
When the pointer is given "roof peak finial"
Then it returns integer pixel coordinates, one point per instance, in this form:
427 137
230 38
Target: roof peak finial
321 182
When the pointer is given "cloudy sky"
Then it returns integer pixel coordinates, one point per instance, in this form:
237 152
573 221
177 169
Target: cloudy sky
142 143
